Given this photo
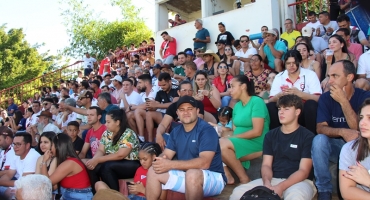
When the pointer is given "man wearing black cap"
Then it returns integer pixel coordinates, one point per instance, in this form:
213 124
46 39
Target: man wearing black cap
221 48
199 166
89 63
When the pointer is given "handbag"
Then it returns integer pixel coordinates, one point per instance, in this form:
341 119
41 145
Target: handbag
260 193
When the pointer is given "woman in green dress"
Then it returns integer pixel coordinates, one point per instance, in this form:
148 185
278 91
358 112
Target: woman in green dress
251 122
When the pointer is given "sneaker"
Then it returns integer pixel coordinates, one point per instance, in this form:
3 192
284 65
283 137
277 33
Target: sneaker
324 196
141 138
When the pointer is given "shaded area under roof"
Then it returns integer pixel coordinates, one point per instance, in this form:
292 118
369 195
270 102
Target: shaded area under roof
187 6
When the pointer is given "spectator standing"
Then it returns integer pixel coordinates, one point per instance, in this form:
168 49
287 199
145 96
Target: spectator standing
105 64
290 34
12 107
337 122
89 63
202 36
168 48
224 35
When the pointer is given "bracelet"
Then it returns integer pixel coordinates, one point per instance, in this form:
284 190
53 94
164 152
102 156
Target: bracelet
42 163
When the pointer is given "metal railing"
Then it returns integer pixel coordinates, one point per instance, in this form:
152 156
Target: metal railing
301 9
26 90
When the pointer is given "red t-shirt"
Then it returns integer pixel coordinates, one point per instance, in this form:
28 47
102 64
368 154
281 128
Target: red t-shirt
96 94
140 175
222 86
102 63
93 137
169 48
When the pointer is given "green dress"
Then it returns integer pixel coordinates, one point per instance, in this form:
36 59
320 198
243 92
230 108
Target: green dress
127 140
242 119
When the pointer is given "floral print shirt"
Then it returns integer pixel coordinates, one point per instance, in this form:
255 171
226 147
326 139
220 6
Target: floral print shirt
260 81
127 140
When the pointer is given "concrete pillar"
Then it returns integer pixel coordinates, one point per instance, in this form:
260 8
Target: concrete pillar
207 8
161 17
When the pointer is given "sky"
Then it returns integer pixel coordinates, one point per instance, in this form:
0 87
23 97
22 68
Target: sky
42 23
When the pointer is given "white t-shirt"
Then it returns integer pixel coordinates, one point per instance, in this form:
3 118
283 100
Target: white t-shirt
319 44
151 95
332 24
364 64
134 98
71 117
307 82
34 119
9 157
89 62
51 127
314 25
27 165
251 51
83 118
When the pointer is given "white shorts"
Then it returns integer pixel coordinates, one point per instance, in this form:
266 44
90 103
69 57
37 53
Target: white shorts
213 183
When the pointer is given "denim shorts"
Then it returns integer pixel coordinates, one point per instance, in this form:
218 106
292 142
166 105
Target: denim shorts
76 194
136 197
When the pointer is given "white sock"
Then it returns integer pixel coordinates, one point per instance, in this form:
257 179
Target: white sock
142 138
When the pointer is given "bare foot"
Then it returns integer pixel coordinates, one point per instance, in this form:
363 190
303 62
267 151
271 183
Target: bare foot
244 181
230 178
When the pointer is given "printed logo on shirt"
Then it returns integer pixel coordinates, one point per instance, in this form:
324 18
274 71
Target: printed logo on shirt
338 119
293 146
193 141
143 177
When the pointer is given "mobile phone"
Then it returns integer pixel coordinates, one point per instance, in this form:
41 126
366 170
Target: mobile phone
147 99
200 91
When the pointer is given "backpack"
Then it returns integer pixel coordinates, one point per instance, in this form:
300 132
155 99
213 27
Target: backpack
260 193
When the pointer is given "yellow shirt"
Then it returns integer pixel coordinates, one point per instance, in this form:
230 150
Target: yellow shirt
290 37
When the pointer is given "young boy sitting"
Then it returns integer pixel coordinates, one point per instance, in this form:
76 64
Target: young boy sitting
287 164
72 131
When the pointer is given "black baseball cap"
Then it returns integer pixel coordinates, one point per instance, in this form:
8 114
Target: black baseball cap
187 99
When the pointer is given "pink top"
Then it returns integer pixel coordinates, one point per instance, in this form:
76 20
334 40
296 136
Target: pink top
355 49
199 62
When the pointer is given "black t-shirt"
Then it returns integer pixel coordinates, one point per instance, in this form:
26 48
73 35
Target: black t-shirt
220 56
78 144
164 97
287 150
171 110
227 36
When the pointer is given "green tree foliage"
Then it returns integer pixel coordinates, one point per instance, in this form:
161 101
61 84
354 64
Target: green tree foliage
313 5
88 32
19 61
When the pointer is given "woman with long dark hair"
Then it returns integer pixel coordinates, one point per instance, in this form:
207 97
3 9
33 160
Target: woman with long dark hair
70 172
250 124
17 122
306 62
258 74
229 52
354 160
117 155
222 83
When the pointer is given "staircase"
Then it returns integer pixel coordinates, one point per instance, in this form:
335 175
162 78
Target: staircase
27 89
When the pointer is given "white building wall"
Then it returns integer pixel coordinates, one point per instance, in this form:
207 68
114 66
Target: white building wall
251 16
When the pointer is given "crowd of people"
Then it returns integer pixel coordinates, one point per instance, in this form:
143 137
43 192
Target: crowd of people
184 121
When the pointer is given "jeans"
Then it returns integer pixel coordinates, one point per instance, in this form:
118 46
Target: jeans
225 100
76 194
109 172
87 71
88 153
324 149
136 197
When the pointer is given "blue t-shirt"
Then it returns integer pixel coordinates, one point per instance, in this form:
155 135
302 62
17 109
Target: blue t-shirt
22 123
331 112
106 110
12 107
279 46
228 125
188 145
201 34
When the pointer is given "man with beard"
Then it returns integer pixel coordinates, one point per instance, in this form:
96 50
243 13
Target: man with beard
180 69
157 107
147 92
93 136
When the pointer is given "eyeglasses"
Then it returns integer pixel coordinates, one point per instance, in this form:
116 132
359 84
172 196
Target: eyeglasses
186 91
220 67
242 41
82 98
254 60
227 49
45 104
17 144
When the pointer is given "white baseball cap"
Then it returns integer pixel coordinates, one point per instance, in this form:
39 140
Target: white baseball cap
117 78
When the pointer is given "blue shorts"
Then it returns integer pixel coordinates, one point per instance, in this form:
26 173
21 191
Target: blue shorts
213 183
